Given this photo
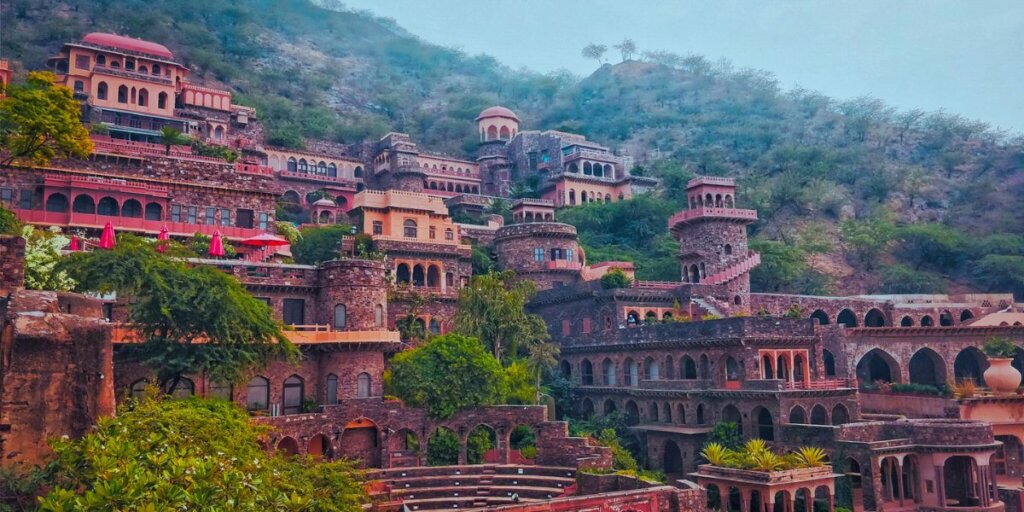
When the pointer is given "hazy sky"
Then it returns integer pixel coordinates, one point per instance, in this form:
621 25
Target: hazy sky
965 57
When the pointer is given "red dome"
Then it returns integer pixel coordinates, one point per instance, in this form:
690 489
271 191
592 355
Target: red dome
497 111
128 43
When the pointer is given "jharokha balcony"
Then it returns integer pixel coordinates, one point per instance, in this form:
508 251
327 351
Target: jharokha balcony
703 212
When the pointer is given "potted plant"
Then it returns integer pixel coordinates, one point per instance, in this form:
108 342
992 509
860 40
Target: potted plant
1001 377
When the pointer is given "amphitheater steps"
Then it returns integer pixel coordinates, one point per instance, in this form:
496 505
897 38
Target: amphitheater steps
473 487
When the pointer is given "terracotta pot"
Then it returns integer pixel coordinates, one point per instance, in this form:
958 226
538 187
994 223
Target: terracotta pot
1000 377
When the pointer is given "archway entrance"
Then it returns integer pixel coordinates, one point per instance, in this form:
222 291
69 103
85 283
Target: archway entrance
672 458
479 445
927 367
877 365
443 448
969 365
359 442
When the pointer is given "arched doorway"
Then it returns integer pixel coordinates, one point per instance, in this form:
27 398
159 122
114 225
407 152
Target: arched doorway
765 425
877 366
523 441
969 365
821 317
479 445
829 362
672 458
797 415
847 318
874 318
319 447
288 446
443 448
927 367
359 442
840 415
819 416
632 413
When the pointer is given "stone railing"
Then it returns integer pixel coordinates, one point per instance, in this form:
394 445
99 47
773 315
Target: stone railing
134 75
720 213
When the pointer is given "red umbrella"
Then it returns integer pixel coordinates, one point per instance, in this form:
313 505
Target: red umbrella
216 246
265 240
161 238
107 238
74 243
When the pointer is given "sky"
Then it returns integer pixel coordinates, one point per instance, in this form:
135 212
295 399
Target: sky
964 57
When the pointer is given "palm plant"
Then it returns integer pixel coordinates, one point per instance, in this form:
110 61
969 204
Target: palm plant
810 457
717 455
170 136
766 461
543 357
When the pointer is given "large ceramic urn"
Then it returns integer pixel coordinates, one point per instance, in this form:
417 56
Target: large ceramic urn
1001 377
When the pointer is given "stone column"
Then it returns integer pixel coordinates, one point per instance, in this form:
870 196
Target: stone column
899 481
789 366
940 486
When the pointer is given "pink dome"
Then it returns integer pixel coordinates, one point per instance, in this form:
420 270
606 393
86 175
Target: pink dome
128 43
498 111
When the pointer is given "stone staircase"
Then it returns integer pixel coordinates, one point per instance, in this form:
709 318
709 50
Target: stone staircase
735 270
706 307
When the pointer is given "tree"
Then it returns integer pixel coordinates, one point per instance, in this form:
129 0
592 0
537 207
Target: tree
493 309
42 254
899 278
190 455
867 239
543 357
9 223
627 48
200 244
188 320
449 373
319 244
615 278
40 121
595 51
171 136
930 245
727 434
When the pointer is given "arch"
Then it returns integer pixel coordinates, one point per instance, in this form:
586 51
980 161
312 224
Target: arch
969 364
687 368
257 394
732 370
672 458
927 367
185 388
927 321
797 415
293 166
608 373
906 321
878 366
782 368
681 414
700 414
851 469
288 446
840 415
492 132
572 197
694 274
587 407
364 385
820 316
340 316
504 134
107 206
652 412
84 203
587 169
632 413
57 203
293 395
632 372
911 482
143 97
651 370
730 414
417 275
946 319
433 276
766 367
402 274
587 372
154 211
481 440
874 318
161 100
966 315
303 165
829 362
360 441
704 366
138 388
319 447
609 407
819 415
409 228
798 368
714 501
131 208
651 318
291 197
765 426
573 167
122 94
632 318
847 318
565 369
959 475
358 173
101 91
332 389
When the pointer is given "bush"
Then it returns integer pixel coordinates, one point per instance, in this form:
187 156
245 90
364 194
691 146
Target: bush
900 278
615 278
999 347
319 244
9 223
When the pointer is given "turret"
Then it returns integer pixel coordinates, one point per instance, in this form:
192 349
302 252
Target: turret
712 236
537 248
497 124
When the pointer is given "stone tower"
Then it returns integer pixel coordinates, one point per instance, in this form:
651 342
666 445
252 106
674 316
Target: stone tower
497 126
712 236
538 248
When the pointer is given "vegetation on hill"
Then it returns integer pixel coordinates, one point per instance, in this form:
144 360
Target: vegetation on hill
874 181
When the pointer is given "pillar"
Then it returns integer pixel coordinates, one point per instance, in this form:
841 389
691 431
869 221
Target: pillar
789 367
940 486
899 481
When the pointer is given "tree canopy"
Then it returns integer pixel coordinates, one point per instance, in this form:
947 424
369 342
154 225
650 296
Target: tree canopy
189 320
40 121
493 309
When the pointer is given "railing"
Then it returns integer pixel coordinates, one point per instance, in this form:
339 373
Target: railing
822 384
106 184
131 148
656 285
450 172
317 177
564 265
607 156
157 79
728 213
135 224
317 333
250 168
752 260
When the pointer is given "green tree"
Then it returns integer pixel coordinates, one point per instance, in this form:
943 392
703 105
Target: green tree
42 254
200 245
615 278
867 239
189 320
627 48
443 448
447 374
595 51
493 309
319 244
171 136
40 121
727 434
997 272
930 245
190 455
903 279
543 357
9 223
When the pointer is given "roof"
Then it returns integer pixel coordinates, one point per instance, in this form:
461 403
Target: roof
498 111
998 319
128 43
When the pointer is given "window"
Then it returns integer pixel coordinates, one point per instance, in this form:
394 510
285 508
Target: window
143 97
556 254
294 311
193 214
332 389
569 255
101 91
221 390
82 61
292 396
101 60
449 235
378 227
161 100
122 94
79 86
293 166
340 316
363 385
378 316
225 217
175 213
26 200
243 218
433 232
410 229
538 254
264 221
257 395
211 215
6 195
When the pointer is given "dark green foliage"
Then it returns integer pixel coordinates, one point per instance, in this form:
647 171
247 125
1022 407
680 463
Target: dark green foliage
480 440
483 260
727 434
784 269
922 389
200 244
9 223
615 278
319 244
899 278
1000 273
443 448
932 246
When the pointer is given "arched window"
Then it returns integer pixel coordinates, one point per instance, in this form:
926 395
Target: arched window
332 171
293 395
154 211
293 165
101 91
84 204
184 389
303 166
156 69
131 208
101 60
257 394
378 316
218 133
108 206
409 230
363 385
358 173
449 235
340 320
161 100
143 97
122 94
321 168
728 250
79 86
332 389
57 203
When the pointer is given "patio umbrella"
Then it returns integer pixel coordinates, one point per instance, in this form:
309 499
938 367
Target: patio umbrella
265 240
107 238
216 245
161 238
74 243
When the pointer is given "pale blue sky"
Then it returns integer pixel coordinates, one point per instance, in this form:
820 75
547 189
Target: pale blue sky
966 57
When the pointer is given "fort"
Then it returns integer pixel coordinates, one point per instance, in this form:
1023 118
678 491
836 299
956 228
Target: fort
676 358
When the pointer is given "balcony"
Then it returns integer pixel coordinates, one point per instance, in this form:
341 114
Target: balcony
706 212
133 75
323 178
133 224
317 334
564 265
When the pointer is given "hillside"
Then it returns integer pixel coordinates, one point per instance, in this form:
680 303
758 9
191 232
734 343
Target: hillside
854 196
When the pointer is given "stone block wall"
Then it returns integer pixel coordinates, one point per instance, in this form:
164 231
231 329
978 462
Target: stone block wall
12 264
360 286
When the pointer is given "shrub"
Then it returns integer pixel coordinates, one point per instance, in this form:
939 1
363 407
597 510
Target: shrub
999 347
615 278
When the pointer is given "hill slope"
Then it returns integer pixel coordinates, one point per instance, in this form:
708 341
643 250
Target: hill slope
854 196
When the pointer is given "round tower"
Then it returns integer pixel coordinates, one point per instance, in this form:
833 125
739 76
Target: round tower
712 236
537 248
353 295
497 124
